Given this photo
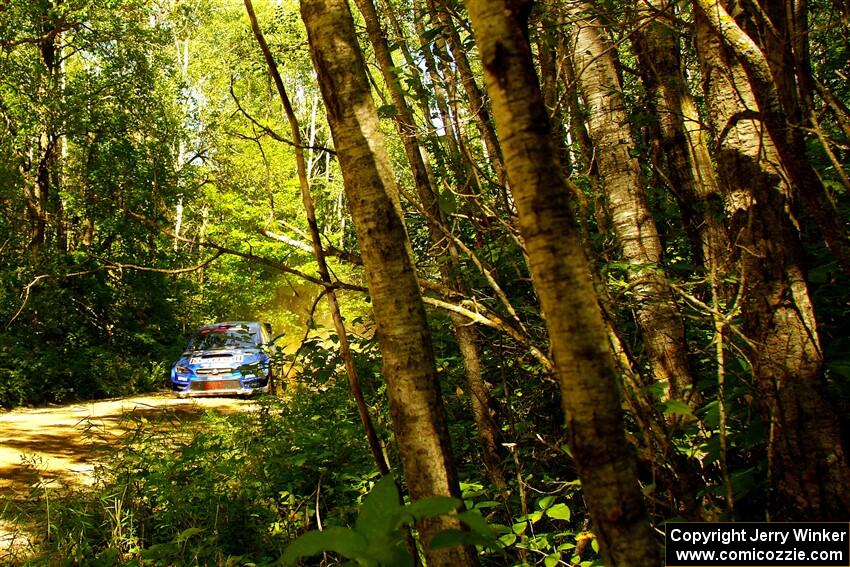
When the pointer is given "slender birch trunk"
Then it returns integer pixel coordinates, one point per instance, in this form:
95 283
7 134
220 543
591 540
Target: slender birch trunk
477 107
419 420
808 465
549 84
682 139
450 136
318 252
657 314
560 274
466 336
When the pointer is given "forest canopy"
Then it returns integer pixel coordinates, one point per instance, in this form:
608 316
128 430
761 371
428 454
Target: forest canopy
581 265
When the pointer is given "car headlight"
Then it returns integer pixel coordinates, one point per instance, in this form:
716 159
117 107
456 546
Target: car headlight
181 370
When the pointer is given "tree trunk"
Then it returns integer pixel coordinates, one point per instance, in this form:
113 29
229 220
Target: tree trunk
318 252
451 137
560 274
466 337
43 203
680 134
786 138
657 313
416 406
477 107
547 56
808 466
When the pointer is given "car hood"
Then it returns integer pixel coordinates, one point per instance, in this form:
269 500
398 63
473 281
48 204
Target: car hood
225 356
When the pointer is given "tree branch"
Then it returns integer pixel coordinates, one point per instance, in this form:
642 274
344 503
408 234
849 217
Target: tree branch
246 255
349 257
470 310
268 131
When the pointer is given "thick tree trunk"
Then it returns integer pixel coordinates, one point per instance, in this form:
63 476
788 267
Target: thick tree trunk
416 406
560 274
657 314
808 466
786 137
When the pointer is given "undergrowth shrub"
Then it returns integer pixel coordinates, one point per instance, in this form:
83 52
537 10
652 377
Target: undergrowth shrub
228 489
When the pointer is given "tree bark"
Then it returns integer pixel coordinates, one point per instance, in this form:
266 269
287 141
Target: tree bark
560 274
466 336
785 136
680 134
318 252
43 203
808 465
477 107
657 314
416 406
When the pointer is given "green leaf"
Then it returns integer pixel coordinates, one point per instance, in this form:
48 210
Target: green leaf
820 274
107 558
452 538
519 527
448 202
545 502
559 512
387 111
448 538
186 534
434 506
675 407
532 517
379 511
159 551
839 367
431 34
476 522
656 390
344 541
711 414
552 560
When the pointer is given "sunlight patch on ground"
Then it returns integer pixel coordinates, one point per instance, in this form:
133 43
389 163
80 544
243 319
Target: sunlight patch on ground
56 447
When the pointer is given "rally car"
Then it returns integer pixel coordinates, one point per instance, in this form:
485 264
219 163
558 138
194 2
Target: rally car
225 358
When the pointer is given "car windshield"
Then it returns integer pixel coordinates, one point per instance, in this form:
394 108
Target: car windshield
220 338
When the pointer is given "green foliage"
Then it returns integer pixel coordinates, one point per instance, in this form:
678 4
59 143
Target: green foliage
218 489
167 106
378 536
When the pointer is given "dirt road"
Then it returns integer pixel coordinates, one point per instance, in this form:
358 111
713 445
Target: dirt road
50 446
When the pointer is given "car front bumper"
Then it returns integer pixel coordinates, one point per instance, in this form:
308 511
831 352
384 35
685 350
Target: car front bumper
220 386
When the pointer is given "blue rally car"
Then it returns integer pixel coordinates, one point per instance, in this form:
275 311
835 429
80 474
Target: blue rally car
225 358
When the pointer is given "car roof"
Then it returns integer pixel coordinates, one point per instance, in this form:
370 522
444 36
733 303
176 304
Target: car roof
252 325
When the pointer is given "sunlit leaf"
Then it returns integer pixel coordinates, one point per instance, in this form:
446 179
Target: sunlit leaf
559 512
